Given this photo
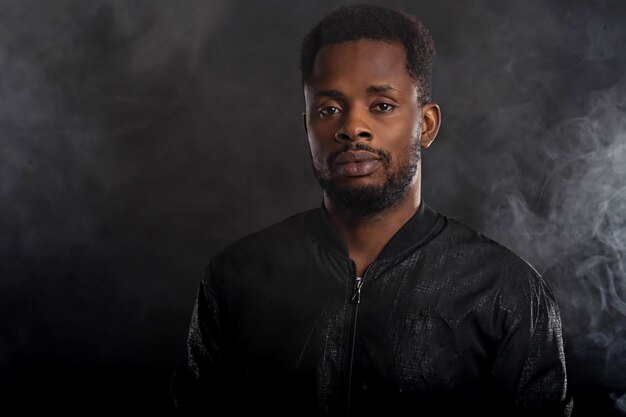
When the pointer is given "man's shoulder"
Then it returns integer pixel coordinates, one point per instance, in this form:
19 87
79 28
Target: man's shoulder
274 240
485 257
478 263
463 239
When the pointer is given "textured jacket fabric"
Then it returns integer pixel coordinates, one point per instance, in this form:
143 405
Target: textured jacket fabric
444 322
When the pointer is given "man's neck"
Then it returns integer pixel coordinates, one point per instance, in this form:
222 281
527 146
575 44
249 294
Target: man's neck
366 238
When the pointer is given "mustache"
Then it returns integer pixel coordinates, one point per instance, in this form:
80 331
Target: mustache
385 156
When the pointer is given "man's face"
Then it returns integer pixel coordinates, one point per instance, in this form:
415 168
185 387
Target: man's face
363 122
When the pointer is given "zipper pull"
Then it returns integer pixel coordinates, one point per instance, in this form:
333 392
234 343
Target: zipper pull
356 291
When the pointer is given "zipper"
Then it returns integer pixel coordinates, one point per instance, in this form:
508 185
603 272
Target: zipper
355 299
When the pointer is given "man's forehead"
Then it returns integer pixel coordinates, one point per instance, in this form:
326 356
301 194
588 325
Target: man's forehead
364 56
372 65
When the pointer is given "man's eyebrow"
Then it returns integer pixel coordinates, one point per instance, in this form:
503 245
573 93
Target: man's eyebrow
380 89
372 89
329 93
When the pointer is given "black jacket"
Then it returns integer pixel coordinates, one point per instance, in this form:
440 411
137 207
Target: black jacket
446 321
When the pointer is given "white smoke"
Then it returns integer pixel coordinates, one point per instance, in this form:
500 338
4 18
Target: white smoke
576 232
542 118
74 77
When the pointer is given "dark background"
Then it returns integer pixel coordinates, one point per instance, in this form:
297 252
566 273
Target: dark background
140 137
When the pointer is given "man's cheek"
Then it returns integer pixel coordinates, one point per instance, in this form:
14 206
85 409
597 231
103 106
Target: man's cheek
319 160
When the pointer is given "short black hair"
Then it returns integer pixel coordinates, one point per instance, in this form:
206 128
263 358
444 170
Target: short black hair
368 21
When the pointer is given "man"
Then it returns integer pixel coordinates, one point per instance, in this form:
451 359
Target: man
373 303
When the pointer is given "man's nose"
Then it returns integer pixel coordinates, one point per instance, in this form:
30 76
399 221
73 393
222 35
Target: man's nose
354 127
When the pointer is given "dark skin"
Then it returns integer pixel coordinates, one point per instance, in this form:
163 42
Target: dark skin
361 92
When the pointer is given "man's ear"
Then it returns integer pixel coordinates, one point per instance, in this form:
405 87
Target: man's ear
306 132
431 121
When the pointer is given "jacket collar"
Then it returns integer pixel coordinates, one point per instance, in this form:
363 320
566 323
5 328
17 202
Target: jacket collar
416 230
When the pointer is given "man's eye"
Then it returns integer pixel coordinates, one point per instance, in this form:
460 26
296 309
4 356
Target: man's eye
384 107
328 111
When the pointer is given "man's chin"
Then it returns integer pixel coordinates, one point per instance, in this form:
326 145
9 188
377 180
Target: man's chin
373 189
359 201
365 182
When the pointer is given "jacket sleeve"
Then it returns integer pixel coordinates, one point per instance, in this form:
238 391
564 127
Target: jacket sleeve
530 359
199 379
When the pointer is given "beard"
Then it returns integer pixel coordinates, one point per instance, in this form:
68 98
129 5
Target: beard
366 201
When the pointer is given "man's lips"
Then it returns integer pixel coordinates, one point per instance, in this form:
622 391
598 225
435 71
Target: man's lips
357 163
355 156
